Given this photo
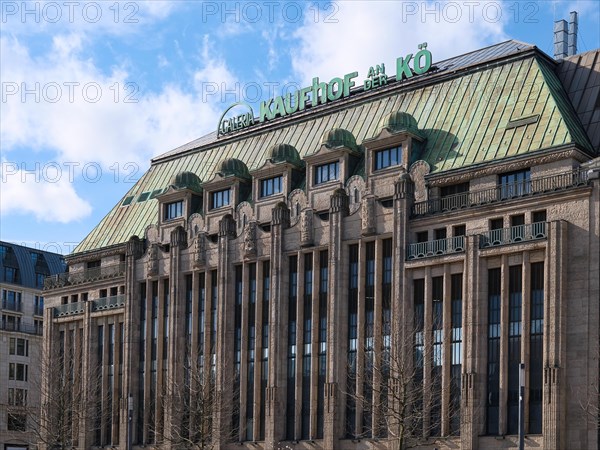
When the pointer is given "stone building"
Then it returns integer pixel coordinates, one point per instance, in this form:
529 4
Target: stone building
22 274
445 226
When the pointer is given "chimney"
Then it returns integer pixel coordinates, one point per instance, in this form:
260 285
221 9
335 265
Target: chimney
560 39
573 33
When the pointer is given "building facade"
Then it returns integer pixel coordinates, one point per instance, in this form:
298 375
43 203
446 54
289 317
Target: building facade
369 272
22 274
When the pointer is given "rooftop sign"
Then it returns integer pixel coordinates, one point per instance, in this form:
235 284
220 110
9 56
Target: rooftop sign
320 92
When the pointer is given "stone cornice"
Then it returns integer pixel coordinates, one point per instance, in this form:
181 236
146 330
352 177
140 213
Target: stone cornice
117 249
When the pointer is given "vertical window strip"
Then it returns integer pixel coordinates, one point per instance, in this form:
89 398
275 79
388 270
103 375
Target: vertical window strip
493 363
237 347
352 340
214 299
264 372
419 347
437 320
536 339
307 346
322 360
201 322
514 346
251 346
142 352
386 293
456 294
369 342
291 366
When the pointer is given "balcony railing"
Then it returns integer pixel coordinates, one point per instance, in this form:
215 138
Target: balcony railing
435 248
101 304
69 309
93 274
21 328
503 192
513 235
11 305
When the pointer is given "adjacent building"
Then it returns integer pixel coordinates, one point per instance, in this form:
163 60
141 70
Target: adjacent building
22 274
367 272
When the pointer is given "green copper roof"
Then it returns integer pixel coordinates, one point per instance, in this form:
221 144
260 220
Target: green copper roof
338 137
187 180
285 153
482 114
233 167
398 121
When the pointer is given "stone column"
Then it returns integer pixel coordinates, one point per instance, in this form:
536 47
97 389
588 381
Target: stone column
471 411
553 425
275 418
225 332
337 318
176 322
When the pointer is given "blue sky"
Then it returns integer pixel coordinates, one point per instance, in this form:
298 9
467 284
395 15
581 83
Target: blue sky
92 90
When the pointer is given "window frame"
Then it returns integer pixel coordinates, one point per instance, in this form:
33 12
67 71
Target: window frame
173 210
220 196
268 186
387 157
330 169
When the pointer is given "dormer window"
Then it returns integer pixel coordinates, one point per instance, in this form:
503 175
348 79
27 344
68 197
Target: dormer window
219 199
327 172
271 186
388 157
173 210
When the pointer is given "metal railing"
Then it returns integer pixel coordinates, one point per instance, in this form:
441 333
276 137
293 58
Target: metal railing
22 328
502 192
116 301
434 248
12 305
83 276
513 235
69 309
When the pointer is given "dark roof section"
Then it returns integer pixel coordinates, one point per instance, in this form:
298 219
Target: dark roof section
28 262
453 64
580 76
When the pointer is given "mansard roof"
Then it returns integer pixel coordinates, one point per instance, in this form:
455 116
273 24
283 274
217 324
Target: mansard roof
499 102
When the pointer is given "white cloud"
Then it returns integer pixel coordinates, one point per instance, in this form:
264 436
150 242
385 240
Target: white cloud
92 122
361 34
25 192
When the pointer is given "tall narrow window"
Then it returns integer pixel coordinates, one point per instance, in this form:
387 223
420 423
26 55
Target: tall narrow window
141 368
251 346
352 340
536 339
493 363
214 299
264 363
437 290
369 343
237 346
456 350
386 298
514 347
307 346
173 210
419 347
291 366
201 322
322 360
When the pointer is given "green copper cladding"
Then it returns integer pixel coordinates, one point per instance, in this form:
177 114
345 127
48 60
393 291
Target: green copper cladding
187 180
465 119
234 167
285 153
338 137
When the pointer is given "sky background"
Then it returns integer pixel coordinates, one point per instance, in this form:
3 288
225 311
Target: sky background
91 91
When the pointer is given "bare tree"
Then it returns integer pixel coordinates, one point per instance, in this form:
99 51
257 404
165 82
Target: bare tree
191 405
399 391
68 403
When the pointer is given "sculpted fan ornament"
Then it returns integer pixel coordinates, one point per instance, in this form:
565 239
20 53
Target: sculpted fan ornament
418 171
